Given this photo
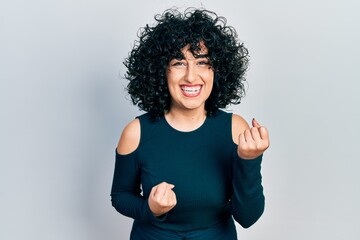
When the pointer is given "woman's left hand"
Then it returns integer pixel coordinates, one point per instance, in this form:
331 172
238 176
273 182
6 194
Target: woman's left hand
253 142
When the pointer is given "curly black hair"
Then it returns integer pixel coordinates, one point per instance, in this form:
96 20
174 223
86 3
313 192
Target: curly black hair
148 61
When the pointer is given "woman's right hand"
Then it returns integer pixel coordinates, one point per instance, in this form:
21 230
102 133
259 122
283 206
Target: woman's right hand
162 199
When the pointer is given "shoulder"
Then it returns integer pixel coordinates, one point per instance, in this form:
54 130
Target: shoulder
238 125
130 137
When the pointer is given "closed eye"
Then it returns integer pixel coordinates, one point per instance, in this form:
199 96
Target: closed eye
203 62
177 64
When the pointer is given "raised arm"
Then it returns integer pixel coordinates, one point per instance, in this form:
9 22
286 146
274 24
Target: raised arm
248 201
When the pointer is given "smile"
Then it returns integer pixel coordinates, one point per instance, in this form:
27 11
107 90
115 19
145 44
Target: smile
191 91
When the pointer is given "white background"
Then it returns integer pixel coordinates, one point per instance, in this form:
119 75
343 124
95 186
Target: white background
63 106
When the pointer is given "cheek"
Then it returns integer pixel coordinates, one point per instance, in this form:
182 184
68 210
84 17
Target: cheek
210 79
211 84
170 84
210 87
209 75
172 77
169 79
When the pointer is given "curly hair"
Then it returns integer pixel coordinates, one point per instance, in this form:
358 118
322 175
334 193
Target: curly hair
148 60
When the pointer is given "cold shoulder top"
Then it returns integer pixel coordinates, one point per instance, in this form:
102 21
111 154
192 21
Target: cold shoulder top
211 182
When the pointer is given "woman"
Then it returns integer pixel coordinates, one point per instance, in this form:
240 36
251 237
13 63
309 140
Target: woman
186 169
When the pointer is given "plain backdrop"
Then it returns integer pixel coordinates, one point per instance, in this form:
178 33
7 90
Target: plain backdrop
63 107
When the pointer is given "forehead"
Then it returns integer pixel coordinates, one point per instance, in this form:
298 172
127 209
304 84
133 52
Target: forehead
187 53
203 49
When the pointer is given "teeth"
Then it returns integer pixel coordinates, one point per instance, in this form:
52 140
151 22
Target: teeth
191 90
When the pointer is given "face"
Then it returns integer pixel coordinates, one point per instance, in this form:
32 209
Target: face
190 80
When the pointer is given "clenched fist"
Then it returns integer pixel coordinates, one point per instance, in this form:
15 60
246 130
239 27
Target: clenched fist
162 199
253 142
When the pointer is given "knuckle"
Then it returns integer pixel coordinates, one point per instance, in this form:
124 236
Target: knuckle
265 144
244 148
252 146
259 146
264 129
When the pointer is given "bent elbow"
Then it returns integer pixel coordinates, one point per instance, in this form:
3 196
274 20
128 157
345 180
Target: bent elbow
247 216
247 221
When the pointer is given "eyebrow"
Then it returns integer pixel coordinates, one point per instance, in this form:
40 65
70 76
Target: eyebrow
195 55
201 55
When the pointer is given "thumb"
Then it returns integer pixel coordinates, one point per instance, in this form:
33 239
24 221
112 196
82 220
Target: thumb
255 123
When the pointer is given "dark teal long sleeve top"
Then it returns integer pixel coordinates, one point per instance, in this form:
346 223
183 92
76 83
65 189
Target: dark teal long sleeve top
211 182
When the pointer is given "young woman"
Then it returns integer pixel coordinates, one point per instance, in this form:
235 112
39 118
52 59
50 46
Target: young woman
185 169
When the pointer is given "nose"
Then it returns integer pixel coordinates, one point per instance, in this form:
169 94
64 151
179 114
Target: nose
190 75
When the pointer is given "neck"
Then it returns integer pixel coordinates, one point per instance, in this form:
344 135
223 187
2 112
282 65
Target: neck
186 120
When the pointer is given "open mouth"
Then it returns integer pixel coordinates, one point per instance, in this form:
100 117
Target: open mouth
191 91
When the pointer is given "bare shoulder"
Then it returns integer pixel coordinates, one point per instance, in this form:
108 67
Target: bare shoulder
238 125
130 138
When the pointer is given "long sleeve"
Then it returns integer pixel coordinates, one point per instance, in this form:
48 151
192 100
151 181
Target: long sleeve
126 195
248 201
